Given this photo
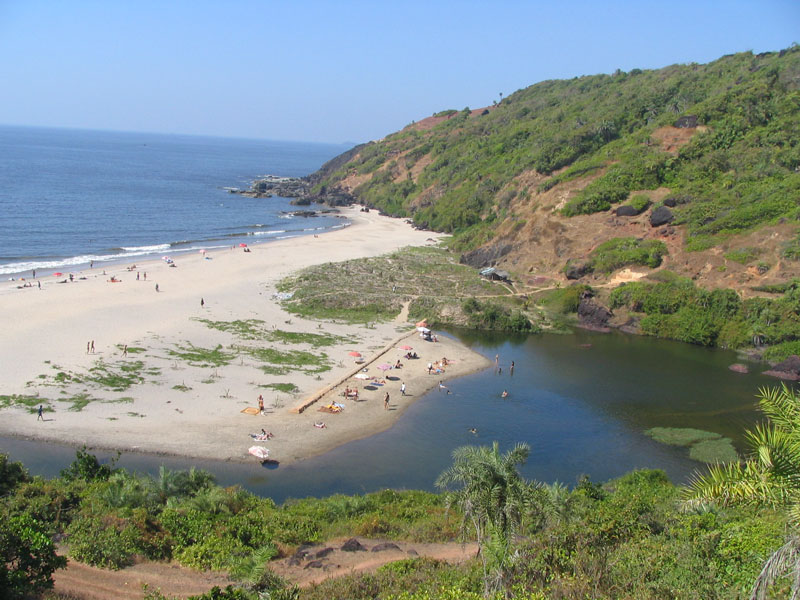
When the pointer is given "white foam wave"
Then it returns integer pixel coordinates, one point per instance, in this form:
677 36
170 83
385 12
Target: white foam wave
155 248
268 232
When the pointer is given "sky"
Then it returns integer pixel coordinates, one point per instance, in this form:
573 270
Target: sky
337 71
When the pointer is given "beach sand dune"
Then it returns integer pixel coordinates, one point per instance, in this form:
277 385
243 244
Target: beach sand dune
182 407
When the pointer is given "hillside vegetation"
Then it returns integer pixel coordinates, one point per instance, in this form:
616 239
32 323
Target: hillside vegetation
525 179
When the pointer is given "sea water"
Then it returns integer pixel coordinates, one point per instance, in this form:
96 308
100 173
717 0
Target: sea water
68 197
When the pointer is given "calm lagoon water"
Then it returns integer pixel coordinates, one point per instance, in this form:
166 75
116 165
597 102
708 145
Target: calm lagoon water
581 401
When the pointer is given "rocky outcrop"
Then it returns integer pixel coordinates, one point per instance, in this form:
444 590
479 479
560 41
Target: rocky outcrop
661 216
576 270
788 370
486 256
627 211
353 545
592 315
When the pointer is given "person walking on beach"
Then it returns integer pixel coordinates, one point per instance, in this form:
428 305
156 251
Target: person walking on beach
261 404
156 287
88 345
386 401
40 284
41 412
125 350
144 275
137 275
34 273
92 346
403 389
202 303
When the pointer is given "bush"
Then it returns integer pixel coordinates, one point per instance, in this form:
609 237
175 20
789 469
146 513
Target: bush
28 557
619 252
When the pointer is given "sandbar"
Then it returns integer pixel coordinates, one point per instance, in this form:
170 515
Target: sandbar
196 411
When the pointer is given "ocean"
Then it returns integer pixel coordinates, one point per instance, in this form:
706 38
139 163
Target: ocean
68 197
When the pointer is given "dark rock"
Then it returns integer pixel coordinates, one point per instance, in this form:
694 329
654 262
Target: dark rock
686 122
626 211
789 369
315 564
353 545
661 216
294 561
412 552
385 546
739 368
576 270
486 256
671 202
593 316
323 553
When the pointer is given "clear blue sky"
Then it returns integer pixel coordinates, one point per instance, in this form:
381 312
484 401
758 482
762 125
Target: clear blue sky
338 70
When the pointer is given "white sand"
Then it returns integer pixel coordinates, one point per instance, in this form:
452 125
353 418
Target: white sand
55 323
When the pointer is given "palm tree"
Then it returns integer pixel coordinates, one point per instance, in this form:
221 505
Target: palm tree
770 476
494 499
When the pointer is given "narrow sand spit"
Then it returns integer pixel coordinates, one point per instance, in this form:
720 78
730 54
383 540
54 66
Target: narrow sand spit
196 411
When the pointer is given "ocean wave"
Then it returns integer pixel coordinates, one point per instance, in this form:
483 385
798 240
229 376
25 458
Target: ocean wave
268 232
154 248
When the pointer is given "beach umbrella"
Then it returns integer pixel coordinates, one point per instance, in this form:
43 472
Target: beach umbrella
57 274
406 347
423 323
354 353
202 251
242 245
384 367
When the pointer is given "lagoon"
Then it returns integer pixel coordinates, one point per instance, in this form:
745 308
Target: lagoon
581 401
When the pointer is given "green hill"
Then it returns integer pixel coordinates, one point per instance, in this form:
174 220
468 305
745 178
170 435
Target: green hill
535 181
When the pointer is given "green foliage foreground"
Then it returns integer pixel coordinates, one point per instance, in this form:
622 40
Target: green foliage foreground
633 537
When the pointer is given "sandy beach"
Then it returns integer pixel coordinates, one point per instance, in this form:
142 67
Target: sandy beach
196 411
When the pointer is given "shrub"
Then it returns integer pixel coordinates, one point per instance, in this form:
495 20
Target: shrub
619 252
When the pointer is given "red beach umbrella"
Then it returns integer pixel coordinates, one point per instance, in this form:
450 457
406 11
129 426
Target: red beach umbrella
242 245
57 274
354 353
406 347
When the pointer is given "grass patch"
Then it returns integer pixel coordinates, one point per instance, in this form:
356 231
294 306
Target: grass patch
375 289
203 357
704 446
117 378
181 387
131 349
79 402
287 388
713 451
29 401
135 414
255 329
294 360
743 255
248 329
678 436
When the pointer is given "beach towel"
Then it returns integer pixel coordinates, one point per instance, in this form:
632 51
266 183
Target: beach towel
250 410
330 409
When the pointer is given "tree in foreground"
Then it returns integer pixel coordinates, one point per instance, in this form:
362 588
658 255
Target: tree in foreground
494 500
28 557
770 476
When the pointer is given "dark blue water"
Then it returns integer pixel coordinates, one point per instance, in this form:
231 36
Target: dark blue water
71 196
582 402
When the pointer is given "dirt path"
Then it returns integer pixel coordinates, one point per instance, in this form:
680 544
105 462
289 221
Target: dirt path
90 583
311 564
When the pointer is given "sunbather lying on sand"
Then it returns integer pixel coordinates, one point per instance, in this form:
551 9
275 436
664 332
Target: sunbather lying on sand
320 425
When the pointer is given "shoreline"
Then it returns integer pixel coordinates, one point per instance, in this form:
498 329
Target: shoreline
46 332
